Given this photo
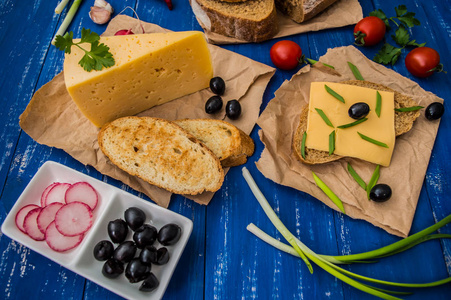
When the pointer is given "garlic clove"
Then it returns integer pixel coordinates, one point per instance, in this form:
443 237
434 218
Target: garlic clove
99 15
104 4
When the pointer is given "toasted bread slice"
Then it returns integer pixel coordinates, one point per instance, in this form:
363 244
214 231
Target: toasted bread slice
161 153
231 145
403 123
251 20
302 10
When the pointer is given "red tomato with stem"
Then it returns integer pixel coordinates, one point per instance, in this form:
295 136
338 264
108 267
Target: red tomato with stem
423 62
286 55
369 31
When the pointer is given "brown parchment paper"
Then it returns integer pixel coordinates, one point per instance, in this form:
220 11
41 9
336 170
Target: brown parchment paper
53 119
339 14
410 158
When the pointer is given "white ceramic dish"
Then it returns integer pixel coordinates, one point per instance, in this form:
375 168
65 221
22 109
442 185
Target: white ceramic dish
112 204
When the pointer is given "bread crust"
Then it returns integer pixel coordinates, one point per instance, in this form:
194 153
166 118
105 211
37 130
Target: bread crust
296 10
322 5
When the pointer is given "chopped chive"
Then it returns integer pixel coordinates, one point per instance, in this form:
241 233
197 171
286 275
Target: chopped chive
331 142
373 180
368 139
355 71
356 176
324 117
333 93
329 192
312 61
405 109
353 123
304 137
378 104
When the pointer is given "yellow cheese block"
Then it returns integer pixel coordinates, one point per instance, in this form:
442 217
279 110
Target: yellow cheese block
348 141
149 69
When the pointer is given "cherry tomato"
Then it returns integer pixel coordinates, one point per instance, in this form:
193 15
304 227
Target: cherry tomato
369 31
286 55
423 62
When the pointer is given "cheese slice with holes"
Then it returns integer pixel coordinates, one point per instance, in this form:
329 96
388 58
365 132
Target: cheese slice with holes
348 142
149 70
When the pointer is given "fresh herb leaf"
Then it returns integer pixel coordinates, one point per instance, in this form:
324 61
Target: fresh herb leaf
64 42
329 192
88 36
402 36
333 93
352 124
304 138
378 104
373 180
355 71
400 10
331 142
381 15
356 176
388 54
368 139
405 17
415 44
324 117
405 109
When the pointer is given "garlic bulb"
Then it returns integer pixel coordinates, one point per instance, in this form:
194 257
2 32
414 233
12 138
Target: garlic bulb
101 12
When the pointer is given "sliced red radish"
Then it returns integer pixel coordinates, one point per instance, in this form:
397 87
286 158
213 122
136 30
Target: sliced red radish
59 242
22 213
57 193
30 225
82 192
73 219
45 193
47 215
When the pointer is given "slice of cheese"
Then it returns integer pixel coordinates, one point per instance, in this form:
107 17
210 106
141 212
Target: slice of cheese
149 69
347 141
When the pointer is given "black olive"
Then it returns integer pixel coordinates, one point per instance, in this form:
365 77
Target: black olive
149 284
359 110
103 250
136 271
169 234
162 256
217 85
434 111
213 105
112 268
145 235
125 251
149 255
380 192
117 230
233 109
134 217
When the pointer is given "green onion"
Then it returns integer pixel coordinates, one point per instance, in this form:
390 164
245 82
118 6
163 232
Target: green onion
333 93
70 15
406 109
355 71
378 104
324 117
304 137
312 61
59 8
373 180
356 176
353 123
273 217
332 142
329 193
368 139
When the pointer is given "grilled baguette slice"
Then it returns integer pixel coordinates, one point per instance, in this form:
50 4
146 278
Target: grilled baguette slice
403 123
302 10
231 145
251 20
161 153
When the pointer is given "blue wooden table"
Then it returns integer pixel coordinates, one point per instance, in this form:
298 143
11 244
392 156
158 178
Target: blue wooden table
222 259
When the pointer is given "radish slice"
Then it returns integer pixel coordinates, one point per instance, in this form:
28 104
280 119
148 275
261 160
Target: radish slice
22 213
56 193
30 225
47 215
73 219
46 192
82 192
59 242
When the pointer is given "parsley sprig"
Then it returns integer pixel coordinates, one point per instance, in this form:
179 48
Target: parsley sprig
97 58
404 20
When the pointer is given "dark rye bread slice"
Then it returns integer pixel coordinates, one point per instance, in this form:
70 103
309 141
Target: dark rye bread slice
403 123
161 153
251 20
302 10
230 144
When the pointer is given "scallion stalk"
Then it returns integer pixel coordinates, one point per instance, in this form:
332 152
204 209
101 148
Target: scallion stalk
334 198
355 71
373 180
66 22
59 8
